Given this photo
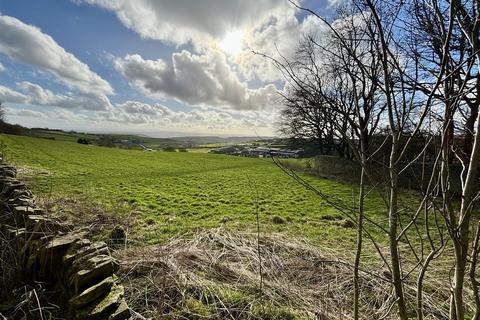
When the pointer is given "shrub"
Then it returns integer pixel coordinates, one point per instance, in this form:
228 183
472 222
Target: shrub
83 141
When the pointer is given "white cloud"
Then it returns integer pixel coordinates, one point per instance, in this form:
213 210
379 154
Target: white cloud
2 68
134 112
334 3
9 95
44 97
34 94
205 79
27 113
161 117
277 38
143 117
264 26
28 44
180 22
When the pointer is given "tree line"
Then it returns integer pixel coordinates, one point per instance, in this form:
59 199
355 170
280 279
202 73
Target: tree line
399 79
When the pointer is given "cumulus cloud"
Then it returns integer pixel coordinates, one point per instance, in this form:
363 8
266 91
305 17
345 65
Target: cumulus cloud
334 3
137 113
265 26
139 116
162 117
277 38
28 44
205 79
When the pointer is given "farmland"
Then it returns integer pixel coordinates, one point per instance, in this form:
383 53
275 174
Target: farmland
173 193
196 214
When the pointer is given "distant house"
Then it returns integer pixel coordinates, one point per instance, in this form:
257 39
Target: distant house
287 153
260 152
271 152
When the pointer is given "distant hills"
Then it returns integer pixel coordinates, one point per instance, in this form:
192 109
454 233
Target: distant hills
134 141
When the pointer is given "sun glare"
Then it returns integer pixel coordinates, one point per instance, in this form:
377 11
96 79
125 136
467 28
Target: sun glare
232 43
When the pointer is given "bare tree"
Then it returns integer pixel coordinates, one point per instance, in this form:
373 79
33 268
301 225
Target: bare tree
451 29
407 72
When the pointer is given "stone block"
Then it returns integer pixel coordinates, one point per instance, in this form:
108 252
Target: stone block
81 261
63 242
73 252
13 233
101 268
51 254
17 193
39 223
10 187
87 250
93 293
21 212
21 201
105 307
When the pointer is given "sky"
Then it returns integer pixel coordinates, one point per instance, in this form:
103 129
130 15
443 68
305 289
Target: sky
156 67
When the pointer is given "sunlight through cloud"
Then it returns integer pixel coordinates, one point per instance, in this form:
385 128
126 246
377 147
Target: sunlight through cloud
232 44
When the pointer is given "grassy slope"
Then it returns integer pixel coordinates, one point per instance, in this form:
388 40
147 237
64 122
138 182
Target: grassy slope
182 191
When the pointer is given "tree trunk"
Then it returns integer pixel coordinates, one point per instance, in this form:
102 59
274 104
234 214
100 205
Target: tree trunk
395 257
358 252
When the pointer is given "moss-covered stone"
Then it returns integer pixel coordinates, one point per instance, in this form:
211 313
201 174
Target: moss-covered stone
93 293
103 308
86 277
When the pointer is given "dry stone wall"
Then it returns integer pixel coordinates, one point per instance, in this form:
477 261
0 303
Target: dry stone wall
59 255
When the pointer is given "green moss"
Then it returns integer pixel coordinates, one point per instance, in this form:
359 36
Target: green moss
270 312
234 298
195 309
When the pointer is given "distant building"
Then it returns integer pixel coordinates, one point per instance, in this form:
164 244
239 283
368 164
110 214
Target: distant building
274 152
260 152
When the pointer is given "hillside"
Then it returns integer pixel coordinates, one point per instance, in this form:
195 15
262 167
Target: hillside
133 140
180 192
192 217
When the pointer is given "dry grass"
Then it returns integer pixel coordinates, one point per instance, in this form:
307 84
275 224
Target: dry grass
17 299
216 275
91 216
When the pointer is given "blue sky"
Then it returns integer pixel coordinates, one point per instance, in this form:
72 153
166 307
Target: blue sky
160 67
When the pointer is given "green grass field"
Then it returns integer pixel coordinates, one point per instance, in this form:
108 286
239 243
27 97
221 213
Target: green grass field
158 196
178 193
